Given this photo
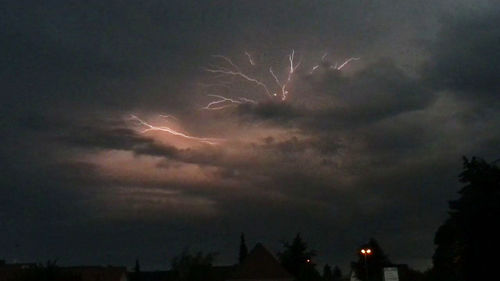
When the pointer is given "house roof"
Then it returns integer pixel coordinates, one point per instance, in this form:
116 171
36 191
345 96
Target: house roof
260 264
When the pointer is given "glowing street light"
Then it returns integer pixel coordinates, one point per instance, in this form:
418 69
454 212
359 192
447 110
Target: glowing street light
366 252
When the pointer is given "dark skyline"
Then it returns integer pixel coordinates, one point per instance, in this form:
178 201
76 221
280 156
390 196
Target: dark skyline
371 150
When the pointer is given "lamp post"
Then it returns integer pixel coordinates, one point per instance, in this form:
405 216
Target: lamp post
366 252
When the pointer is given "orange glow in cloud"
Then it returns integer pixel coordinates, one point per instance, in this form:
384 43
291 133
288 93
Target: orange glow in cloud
154 204
128 167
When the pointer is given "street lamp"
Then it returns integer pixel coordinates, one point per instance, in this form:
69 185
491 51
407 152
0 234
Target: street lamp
366 252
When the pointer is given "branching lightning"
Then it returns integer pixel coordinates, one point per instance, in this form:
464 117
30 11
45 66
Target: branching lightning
222 102
226 67
284 91
149 127
231 69
335 66
234 70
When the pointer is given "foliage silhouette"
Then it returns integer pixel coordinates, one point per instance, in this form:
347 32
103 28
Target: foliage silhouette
468 240
243 249
327 273
193 267
297 259
337 274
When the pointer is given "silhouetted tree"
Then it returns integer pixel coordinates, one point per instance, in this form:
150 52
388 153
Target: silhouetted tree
243 249
374 264
136 275
137 267
297 259
337 274
327 273
197 267
467 239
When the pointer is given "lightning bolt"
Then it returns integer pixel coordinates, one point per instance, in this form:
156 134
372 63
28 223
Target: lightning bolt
345 63
169 116
250 60
235 71
316 66
222 102
313 69
293 67
149 127
219 102
229 68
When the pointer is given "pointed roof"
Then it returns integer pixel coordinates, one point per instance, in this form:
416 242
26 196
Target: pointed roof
260 264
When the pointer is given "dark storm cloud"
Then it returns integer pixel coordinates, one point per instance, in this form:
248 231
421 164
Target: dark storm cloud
464 55
280 112
376 152
380 90
95 54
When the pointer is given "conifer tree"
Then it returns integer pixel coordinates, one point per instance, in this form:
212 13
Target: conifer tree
327 273
297 259
337 274
469 237
243 248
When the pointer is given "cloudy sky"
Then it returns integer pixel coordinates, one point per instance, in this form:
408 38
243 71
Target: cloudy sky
117 142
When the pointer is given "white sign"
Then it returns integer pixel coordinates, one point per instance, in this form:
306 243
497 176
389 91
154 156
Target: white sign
391 274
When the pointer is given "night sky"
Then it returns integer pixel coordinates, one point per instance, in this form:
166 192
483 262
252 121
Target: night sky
369 150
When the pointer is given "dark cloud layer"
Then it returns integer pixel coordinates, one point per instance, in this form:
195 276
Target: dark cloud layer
467 67
372 150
